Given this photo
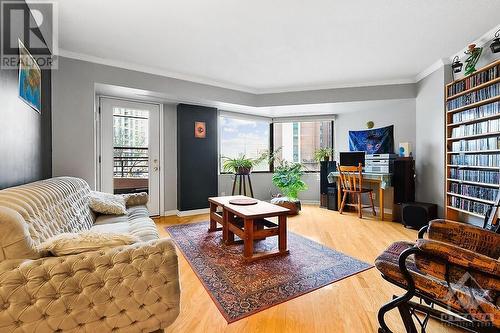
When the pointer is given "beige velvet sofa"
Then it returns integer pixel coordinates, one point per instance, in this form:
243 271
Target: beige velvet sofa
133 288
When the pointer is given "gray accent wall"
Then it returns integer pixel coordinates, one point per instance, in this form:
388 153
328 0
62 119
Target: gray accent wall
25 134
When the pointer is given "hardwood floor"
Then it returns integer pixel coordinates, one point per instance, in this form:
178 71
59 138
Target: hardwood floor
349 305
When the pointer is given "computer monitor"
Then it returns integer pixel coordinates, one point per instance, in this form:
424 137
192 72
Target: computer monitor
352 158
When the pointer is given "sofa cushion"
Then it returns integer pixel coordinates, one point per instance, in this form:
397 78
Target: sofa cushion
136 222
43 209
75 243
106 203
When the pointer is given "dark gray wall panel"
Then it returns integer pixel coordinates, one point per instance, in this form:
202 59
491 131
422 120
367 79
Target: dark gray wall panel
196 158
25 134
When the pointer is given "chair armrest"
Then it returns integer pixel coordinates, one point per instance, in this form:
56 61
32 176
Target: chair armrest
465 236
459 256
134 286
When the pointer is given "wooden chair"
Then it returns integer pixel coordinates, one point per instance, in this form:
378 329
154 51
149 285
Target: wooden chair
351 181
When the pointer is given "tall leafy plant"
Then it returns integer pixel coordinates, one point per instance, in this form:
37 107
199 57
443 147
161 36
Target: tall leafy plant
287 178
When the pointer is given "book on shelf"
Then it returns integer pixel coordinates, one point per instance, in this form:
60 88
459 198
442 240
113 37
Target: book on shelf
478 176
477 112
473 97
473 142
490 143
474 80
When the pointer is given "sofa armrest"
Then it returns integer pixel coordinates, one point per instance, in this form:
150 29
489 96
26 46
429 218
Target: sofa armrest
465 236
459 256
128 288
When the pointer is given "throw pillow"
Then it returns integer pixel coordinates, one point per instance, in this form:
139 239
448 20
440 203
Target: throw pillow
106 203
136 199
74 243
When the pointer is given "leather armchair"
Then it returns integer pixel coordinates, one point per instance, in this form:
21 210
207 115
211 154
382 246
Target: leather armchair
452 265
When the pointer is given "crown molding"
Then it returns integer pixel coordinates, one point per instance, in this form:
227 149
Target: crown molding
431 69
152 70
334 86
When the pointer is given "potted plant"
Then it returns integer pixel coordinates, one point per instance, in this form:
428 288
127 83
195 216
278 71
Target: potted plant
242 165
323 154
287 177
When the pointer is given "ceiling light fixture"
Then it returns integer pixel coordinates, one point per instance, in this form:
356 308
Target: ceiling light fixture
495 46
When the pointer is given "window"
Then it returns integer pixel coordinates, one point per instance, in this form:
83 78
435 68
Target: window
299 141
241 136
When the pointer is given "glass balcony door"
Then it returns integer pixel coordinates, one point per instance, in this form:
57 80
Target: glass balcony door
130 149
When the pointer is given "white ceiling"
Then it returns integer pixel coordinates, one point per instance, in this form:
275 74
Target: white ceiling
263 46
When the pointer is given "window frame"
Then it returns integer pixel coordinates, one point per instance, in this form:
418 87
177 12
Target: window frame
272 121
235 115
332 138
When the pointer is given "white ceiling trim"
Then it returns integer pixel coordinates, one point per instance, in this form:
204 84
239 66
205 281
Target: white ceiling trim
431 69
151 70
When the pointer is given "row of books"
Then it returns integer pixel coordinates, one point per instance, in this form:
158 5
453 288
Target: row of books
476 144
484 193
492 160
473 97
474 80
483 127
477 112
480 176
468 205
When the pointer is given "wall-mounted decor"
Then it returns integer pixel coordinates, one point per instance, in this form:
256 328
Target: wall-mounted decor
30 79
373 141
200 130
471 61
370 124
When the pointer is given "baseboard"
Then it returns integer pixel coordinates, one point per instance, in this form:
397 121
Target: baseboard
309 202
170 212
193 212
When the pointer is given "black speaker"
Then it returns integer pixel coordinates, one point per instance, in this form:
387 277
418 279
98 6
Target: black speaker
415 215
324 169
332 198
403 179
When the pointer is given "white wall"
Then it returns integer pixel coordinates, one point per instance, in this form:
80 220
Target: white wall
263 187
430 139
401 114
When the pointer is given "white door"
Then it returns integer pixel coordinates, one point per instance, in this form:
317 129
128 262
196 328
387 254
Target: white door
130 149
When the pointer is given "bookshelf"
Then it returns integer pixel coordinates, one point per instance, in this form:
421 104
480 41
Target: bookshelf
472 114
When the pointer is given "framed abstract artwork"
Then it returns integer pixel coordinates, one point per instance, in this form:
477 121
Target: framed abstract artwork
30 79
200 131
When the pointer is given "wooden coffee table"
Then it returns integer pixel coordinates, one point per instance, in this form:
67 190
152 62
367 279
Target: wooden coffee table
250 223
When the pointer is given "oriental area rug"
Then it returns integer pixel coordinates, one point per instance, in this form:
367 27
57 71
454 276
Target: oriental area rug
240 289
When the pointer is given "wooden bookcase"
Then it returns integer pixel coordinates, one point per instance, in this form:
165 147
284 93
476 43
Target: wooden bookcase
472 106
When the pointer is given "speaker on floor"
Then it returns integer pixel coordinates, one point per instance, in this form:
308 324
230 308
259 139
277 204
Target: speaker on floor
415 215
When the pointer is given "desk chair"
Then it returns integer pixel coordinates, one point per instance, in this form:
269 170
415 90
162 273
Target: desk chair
351 180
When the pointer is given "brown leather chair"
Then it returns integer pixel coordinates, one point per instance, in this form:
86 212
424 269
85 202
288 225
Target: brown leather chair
452 265
351 180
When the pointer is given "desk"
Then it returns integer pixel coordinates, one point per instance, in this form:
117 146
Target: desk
383 180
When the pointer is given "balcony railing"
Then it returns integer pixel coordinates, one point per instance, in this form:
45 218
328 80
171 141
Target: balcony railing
130 169
130 162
